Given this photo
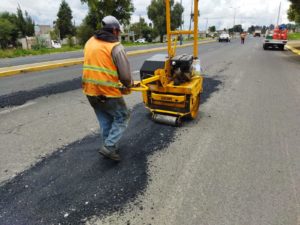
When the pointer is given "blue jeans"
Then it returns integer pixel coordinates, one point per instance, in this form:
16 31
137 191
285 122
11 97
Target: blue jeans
113 118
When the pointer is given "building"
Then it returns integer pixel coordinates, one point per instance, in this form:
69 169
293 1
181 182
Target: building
42 29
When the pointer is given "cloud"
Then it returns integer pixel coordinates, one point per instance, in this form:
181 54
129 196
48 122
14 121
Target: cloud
45 12
216 12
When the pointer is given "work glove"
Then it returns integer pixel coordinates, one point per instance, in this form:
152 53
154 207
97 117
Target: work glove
125 90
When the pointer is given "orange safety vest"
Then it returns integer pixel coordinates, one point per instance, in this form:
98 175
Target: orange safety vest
100 75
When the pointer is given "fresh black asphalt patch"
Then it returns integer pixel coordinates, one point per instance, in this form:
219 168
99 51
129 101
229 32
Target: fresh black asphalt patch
21 97
76 183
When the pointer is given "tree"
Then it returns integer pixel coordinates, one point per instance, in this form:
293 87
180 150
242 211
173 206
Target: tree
294 12
238 28
84 32
64 20
142 29
6 32
251 29
157 13
29 25
20 22
9 32
291 27
264 29
212 29
121 9
14 26
25 25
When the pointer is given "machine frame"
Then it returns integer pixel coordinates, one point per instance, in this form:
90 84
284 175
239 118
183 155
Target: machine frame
160 95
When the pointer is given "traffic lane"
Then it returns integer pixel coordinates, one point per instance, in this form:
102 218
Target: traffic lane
172 164
20 118
58 114
5 62
74 183
40 126
239 164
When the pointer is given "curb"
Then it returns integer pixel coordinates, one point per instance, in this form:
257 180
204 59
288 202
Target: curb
296 51
34 68
9 71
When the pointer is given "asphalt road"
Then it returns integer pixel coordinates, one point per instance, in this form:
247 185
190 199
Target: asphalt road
237 163
4 62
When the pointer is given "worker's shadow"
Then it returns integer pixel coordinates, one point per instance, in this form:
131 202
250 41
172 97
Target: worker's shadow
76 183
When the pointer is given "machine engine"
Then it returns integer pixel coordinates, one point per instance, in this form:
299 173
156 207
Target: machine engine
182 68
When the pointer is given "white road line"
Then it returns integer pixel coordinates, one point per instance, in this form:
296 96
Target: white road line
9 110
137 71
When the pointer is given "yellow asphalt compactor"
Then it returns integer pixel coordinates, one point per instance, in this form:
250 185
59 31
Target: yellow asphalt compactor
171 85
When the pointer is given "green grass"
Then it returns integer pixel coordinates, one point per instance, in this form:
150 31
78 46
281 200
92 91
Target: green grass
12 53
294 36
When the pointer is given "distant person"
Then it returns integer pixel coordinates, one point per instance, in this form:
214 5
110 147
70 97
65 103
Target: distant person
243 37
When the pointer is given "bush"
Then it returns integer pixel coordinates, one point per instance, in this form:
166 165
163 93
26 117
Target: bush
70 41
40 44
84 33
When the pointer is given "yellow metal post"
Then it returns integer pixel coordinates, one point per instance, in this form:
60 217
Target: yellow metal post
195 28
168 20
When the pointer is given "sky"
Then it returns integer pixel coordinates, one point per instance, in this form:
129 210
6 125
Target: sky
219 13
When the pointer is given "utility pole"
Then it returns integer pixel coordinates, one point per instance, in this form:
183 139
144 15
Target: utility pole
191 17
278 17
181 25
206 27
234 15
140 27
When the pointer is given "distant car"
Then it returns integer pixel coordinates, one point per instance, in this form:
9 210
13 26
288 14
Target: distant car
55 44
141 40
224 37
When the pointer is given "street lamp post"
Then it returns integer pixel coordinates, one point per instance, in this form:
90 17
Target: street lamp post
234 15
206 26
234 8
181 25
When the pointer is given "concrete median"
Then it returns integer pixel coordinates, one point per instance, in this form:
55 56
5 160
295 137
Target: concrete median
21 69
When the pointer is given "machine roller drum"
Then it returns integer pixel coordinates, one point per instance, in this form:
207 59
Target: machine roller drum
167 119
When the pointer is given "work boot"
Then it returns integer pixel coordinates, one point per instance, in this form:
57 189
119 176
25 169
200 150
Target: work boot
111 154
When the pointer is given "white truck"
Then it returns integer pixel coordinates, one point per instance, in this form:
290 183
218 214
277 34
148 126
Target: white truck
275 39
224 37
257 33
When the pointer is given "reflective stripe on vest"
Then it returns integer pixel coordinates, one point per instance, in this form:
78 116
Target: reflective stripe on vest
100 69
100 76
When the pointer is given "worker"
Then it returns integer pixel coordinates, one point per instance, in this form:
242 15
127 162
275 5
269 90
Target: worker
243 37
105 66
